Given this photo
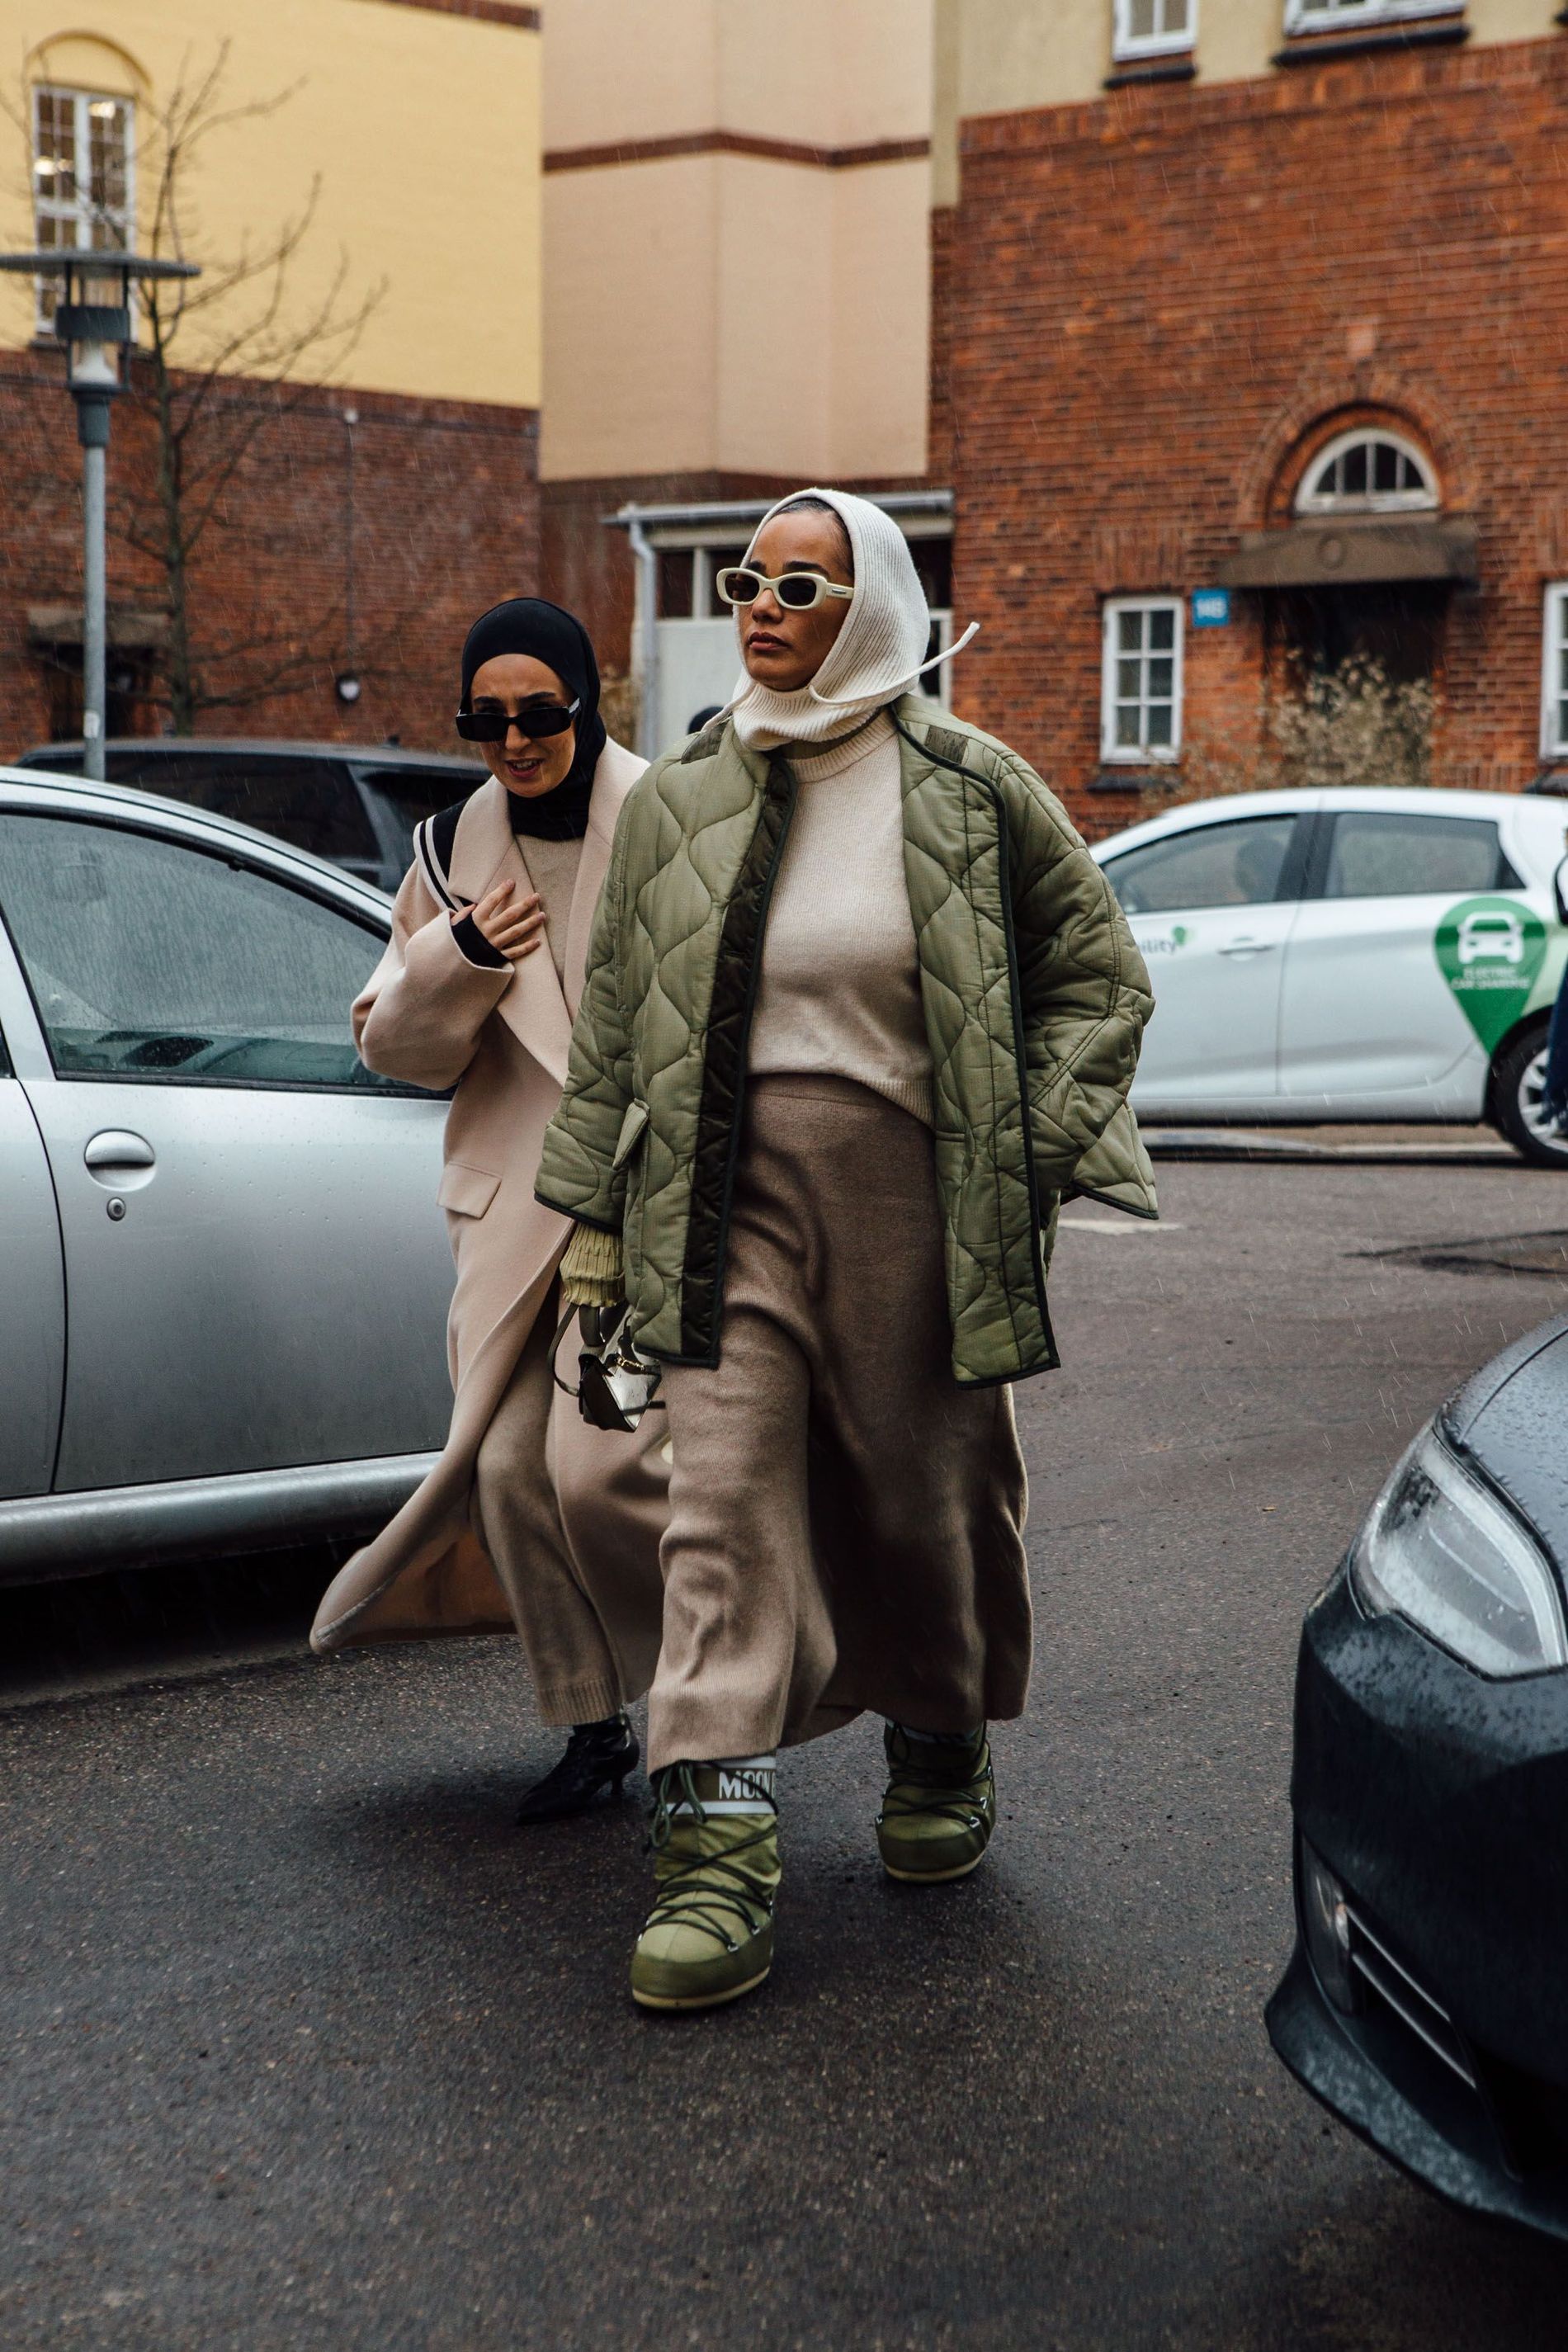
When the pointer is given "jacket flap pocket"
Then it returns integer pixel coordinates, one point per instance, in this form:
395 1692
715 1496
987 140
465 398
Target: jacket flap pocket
632 1127
468 1191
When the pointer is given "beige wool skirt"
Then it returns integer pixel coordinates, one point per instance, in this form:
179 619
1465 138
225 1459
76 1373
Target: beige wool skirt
845 1526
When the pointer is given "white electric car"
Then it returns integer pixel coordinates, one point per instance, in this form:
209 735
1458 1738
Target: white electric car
1350 955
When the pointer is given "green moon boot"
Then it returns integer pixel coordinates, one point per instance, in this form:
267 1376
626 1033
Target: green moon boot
939 1808
709 1936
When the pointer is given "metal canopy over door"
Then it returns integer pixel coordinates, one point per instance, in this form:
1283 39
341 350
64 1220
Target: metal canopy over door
1212 906
256 1274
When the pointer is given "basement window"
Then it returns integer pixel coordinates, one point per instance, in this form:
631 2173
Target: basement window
1344 15
1141 678
1153 28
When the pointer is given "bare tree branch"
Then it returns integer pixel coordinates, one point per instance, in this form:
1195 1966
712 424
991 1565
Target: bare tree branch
238 324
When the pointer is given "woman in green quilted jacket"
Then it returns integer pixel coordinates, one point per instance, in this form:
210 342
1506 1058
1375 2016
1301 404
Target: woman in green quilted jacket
860 1011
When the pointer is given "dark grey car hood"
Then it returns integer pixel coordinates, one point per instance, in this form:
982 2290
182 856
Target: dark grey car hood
1511 1418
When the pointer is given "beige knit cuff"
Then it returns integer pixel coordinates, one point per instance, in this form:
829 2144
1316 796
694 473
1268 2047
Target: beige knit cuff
591 1272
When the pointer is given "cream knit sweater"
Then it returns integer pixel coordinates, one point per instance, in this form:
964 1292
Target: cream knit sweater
839 995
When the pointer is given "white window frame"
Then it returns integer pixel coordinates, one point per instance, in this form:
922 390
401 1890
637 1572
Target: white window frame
80 212
1425 500
1334 15
1127 46
1139 755
1555 671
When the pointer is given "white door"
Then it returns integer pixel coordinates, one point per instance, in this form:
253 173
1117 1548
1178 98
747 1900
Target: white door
1206 907
698 663
256 1274
1369 1021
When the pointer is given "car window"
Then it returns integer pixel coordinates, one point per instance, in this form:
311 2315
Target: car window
414 793
153 961
1234 864
312 804
1386 854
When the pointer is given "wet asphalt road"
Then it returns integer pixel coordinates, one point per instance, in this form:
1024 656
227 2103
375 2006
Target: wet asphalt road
306 2046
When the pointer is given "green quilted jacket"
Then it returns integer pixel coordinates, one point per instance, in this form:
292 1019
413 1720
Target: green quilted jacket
1034 1002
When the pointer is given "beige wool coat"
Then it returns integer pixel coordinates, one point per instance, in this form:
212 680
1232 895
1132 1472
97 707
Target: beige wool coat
427 1572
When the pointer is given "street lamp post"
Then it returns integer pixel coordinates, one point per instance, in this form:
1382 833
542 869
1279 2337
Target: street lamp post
92 320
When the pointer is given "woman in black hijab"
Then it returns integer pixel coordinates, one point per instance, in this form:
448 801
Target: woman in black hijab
563 1518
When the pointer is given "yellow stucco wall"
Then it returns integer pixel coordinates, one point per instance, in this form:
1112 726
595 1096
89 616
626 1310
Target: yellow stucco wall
424 129
822 72
736 311
1008 54
731 311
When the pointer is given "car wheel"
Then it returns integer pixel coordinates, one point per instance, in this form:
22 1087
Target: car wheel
1519 1080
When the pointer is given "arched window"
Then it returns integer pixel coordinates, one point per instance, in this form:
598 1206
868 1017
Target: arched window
1367 472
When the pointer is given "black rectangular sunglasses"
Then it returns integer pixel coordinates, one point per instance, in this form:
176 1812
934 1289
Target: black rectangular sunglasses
534 719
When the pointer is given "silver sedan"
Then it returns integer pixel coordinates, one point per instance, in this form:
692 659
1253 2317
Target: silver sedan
223 1281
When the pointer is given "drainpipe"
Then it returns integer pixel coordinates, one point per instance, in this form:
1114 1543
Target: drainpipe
645 634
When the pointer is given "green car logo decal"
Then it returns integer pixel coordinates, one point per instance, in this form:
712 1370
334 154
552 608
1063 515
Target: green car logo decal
1490 951
1151 943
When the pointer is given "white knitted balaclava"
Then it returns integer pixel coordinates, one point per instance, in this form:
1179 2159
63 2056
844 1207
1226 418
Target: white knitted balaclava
877 654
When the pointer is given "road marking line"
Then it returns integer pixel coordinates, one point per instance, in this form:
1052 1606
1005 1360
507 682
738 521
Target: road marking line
1117 1225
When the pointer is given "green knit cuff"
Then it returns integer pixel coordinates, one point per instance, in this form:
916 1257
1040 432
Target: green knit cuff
591 1272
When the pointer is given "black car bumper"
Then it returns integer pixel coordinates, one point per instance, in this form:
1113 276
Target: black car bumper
1439 1803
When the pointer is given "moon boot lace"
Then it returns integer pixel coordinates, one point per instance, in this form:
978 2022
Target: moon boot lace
709 1936
939 1808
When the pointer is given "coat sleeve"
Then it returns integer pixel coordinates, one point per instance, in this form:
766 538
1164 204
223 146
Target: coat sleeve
418 1016
1085 993
582 1170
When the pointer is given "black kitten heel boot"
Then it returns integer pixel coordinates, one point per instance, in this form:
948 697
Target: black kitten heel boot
598 1756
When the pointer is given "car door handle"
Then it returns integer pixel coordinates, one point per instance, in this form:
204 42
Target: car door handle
1248 947
115 1158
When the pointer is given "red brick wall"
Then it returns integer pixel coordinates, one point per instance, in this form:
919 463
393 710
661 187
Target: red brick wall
1154 298
446 508
940 423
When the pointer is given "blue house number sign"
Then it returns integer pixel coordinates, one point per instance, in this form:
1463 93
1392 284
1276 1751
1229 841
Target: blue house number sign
1210 607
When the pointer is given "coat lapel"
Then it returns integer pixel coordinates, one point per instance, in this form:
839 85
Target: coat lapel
484 853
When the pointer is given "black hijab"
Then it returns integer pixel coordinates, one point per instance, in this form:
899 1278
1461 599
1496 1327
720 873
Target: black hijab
529 625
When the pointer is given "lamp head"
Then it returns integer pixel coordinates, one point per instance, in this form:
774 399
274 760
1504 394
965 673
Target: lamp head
94 323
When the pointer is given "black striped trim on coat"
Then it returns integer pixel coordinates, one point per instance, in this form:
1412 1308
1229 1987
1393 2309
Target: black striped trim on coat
433 838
